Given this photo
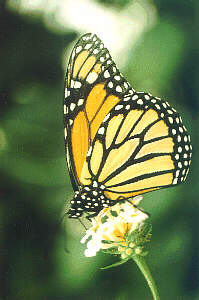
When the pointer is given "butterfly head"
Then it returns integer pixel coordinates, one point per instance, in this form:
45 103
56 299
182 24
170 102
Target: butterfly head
91 199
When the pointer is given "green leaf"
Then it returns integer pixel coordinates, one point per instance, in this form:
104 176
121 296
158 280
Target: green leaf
114 213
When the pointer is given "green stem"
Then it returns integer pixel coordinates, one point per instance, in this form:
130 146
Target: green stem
140 261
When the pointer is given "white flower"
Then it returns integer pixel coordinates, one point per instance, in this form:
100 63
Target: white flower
114 228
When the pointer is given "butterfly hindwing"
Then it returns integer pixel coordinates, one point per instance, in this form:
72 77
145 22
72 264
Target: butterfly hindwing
93 87
141 146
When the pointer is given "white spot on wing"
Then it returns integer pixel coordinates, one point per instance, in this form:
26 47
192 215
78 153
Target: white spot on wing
72 83
177 156
110 85
101 130
78 49
91 77
106 74
87 46
126 85
118 107
135 97
127 98
164 104
67 92
118 89
95 184
80 102
187 147
173 131
89 151
72 106
179 138
170 111
140 102
179 165
77 84
179 149
117 77
157 106
170 120
106 118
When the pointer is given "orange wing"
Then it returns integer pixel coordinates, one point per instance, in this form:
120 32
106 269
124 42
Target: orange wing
141 146
93 87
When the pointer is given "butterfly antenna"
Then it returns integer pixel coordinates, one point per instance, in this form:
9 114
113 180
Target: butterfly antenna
65 248
82 224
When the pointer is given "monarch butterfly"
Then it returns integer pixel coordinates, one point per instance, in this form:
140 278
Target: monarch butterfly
119 143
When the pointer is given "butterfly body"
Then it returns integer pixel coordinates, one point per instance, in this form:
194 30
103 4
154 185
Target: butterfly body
119 143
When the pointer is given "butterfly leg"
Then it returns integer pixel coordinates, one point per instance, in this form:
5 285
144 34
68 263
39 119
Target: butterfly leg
139 208
82 224
90 216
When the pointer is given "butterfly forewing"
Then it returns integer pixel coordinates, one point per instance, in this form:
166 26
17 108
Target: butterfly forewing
93 86
141 146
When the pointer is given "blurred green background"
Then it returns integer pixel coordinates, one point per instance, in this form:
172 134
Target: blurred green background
156 48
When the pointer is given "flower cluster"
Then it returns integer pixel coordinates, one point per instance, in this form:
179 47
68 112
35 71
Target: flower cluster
119 229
